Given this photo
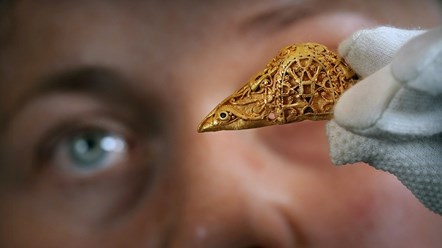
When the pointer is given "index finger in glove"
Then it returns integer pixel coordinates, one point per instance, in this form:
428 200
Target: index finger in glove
403 98
369 50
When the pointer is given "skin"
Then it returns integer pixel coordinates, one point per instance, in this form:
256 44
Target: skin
163 67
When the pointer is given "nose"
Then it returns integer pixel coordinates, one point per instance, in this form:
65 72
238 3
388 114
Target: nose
234 225
226 203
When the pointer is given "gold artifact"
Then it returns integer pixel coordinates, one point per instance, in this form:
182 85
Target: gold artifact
303 82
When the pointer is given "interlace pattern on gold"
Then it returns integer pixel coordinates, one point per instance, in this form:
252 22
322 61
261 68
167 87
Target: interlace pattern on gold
303 82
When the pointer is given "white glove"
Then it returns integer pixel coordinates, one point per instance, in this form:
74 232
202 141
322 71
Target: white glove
392 119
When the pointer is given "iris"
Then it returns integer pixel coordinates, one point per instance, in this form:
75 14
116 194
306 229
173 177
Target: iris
93 149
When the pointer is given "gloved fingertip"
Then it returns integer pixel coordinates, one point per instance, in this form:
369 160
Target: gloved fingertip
367 51
417 64
346 46
361 106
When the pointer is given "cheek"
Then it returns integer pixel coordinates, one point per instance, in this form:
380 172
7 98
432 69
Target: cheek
329 201
304 143
347 205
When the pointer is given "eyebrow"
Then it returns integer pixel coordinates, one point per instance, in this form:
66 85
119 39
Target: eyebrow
100 83
91 80
278 16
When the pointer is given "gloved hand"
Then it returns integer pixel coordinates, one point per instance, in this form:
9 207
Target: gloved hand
392 119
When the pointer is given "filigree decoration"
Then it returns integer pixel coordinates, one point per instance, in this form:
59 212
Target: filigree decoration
303 82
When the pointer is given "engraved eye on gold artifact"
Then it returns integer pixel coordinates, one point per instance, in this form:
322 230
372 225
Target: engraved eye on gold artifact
303 82
223 116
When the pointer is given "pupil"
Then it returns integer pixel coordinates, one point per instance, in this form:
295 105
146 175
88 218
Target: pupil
223 115
86 150
84 145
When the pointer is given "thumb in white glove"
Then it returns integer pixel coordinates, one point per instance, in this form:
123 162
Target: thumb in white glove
392 119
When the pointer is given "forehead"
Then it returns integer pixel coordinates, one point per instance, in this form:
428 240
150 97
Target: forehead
146 39
147 10
46 36
178 21
159 23
143 26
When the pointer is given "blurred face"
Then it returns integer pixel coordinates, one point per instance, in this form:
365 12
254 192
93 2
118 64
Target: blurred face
99 105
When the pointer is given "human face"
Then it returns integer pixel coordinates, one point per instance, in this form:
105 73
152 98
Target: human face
100 101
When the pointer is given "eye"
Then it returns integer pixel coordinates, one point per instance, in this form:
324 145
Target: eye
90 151
223 116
